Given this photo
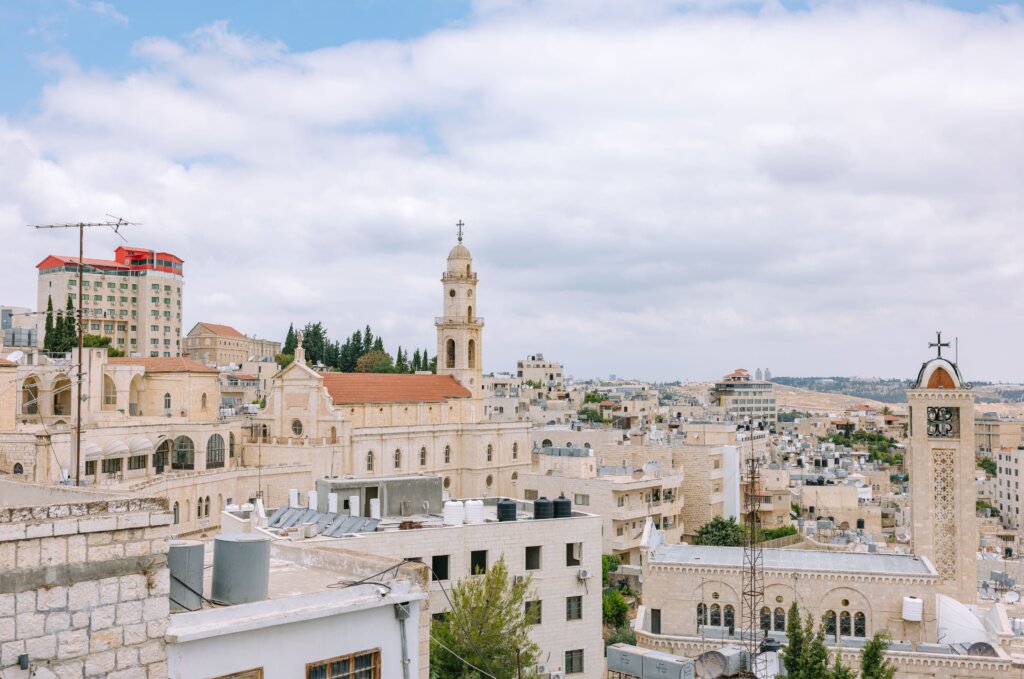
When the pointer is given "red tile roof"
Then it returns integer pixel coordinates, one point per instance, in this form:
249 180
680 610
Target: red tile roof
224 330
67 259
243 376
6 363
163 365
385 388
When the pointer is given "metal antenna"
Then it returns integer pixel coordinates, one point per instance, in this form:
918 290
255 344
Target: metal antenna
753 566
81 226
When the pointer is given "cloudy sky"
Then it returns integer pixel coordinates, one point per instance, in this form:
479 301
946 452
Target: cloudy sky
663 189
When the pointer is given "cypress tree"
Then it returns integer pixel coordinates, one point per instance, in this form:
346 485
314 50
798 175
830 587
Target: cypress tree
367 340
415 361
49 336
289 341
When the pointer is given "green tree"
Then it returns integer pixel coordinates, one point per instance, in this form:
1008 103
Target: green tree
839 670
720 532
401 363
100 342
432 366
614 609
65 331
609 563
594 397
488 627
374 362
368 341
793 653
621 635
49 328
289 341
415 361
873 663
988 464
589 415
284 360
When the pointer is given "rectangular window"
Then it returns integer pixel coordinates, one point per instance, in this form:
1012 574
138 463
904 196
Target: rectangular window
574 661
655 621
573 608
154 328
112 465
124 300
90 467
622 500
362 665
573 553
108 327
533 612
439 564
533 558
110 285
529 494
581 499
154 300
478 562
137 462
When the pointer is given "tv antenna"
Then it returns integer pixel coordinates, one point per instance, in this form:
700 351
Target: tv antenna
82 226
753 566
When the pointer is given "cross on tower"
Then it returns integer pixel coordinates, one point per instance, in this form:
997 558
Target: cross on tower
460 225
938 343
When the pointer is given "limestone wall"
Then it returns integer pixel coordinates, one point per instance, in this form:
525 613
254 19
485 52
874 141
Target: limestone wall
84 588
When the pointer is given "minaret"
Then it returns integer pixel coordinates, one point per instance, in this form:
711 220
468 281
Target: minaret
460 330
942 493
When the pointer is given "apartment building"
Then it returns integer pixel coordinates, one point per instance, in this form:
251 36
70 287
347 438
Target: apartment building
743 398
547 374
222 345
134 299
993 432
19 326
1007 490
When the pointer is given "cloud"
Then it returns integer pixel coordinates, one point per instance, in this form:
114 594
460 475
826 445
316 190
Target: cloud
668 190
104 9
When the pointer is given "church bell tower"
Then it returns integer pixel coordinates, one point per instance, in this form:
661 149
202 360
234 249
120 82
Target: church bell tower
941 456
460 330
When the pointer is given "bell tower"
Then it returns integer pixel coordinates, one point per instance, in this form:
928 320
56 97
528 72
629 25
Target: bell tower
941 457
460 330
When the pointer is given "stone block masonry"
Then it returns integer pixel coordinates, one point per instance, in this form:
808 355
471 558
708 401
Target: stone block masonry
84 588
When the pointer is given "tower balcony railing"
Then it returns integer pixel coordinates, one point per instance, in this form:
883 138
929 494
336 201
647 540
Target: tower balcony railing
449 276
448 320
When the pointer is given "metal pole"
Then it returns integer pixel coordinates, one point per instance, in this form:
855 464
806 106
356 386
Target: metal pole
78 397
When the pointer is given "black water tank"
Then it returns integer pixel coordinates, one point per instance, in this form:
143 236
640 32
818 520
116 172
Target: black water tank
563 507
543 509
506 510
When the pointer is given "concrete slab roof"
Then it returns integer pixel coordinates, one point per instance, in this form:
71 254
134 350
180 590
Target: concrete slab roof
796 560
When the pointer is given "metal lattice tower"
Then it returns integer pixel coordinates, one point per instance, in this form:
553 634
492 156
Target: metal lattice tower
753 568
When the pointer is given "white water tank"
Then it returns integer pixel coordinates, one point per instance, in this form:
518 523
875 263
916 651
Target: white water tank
474 511
353 505
332 503
374 507
293 497
311 499
913 609
454 513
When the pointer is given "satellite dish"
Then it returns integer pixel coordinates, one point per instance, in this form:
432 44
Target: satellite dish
15 356
709 665
1011 597
983 649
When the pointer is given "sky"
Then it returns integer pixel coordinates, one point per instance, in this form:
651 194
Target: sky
659 189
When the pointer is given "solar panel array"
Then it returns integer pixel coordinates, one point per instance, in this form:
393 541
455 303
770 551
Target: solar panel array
331 525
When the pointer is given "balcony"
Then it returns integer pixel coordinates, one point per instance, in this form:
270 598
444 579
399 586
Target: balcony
477 321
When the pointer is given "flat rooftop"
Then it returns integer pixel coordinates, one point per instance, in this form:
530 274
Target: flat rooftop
795 560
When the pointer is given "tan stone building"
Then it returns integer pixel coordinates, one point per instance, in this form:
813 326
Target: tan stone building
134 299
743 398
994 432
221 345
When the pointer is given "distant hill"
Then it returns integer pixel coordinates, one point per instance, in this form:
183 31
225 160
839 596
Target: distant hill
871 389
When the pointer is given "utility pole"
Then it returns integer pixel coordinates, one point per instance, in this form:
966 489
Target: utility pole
81 226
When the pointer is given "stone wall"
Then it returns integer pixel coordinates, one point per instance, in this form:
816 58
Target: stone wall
84 588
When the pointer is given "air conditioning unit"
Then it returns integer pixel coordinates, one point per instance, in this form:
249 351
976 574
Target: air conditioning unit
584 574
542 669
557 675
519 579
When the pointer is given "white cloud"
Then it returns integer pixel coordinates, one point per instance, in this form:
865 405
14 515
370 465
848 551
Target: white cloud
668 191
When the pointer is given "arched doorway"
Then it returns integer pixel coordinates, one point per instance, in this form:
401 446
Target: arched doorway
62 396
184 454
162 455
18 469
30 396
109 393
134 400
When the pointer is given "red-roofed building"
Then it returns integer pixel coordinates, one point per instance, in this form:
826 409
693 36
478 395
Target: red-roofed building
222 345
135 298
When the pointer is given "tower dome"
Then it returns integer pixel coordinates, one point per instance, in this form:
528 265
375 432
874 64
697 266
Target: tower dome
459 259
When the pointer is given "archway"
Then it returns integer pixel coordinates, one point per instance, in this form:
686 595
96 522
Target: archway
62 396
109 393
134 397
471 354
184 454
469 312
18 469
162 455
215 452
450 353
177 513
30 396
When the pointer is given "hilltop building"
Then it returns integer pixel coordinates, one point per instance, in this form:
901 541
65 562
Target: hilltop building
221 345
134 299
744 399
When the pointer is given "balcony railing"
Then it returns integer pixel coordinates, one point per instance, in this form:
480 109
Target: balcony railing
445 320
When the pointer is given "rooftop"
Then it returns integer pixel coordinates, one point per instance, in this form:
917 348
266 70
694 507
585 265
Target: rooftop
222 330
384 388
162 365
795 560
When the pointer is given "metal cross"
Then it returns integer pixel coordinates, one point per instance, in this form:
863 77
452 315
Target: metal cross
938 343
460 225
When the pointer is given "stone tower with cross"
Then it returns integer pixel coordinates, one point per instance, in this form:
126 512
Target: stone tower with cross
460 330
941 467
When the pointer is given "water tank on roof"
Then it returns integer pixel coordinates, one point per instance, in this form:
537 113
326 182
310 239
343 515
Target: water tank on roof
543 509
913 609
474 511
562 507
185 561
454 513
507 510
241 568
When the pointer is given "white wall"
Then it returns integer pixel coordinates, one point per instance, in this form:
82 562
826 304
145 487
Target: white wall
730 482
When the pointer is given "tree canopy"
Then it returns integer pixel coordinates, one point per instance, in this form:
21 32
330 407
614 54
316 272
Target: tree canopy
806 656
348 356
720 532
487 628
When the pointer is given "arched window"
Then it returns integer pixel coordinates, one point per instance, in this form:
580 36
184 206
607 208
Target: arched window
780 620
490 453
766 619
469 315
398 458
18 468
702 614
199 508
297 427
188 508
215 452
369 461
587 444
177 513
729 617
206 506
515 476
204 401
471 354
184 454
109 393
546 443
62 396
334 434
515 450
447 454
162 455
30 397
860 627
845 626
423 456
447 483
489 481
716 615
231 443
830 623
167 401
450 353
568 444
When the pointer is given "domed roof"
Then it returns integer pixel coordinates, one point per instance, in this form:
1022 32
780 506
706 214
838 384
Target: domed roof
460 251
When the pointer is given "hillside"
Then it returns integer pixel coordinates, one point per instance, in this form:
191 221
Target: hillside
805 400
